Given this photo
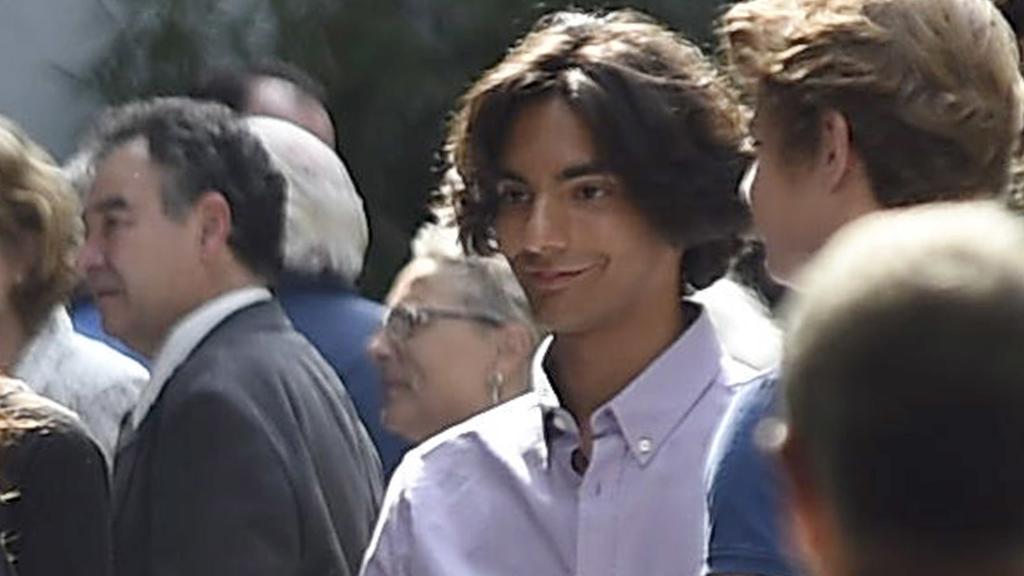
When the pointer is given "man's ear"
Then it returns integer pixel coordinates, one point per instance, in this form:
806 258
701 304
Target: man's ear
836 151
214 218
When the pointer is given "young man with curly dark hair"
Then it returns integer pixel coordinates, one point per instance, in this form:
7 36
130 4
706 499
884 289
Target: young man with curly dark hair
601 157
243 454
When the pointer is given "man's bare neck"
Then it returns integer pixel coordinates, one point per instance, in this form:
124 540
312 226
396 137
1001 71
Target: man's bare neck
589 369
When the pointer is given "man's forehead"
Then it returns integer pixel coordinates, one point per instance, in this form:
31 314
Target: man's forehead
135 149
116 171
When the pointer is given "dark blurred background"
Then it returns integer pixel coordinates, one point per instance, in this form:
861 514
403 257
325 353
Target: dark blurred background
392 70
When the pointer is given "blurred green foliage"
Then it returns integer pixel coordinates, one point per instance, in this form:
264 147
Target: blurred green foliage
392 68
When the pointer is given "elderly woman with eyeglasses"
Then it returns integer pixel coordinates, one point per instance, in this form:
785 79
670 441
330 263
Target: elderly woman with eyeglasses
456 341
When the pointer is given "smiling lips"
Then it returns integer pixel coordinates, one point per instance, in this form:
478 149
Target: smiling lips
552 279
392 383
105 293
103 285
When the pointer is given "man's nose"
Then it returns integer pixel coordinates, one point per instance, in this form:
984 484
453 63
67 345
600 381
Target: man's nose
547 225
90 256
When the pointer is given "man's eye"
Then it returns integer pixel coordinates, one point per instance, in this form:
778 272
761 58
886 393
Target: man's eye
111 225
593 191
509 193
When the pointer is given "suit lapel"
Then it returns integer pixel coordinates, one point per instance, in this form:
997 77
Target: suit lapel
130 443
132 440
124 465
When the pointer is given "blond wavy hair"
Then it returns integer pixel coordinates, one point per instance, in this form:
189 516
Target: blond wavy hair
931 89
40 216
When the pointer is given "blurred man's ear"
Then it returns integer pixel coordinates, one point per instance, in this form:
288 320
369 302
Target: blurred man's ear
835 153
810 518
214 215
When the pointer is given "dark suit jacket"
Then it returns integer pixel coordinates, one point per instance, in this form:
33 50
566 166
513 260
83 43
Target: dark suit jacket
340 324
251 462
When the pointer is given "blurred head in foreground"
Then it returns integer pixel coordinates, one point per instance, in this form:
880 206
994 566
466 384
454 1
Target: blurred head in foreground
904 383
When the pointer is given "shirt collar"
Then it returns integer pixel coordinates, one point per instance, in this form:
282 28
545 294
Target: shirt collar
554 420
652 404
186 334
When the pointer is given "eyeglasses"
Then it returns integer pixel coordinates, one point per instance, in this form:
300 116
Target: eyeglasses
401 322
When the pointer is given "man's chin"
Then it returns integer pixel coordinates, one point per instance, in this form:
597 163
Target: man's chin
114 326
557 320
783 271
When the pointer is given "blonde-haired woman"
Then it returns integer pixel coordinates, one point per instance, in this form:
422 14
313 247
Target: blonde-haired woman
54 513
40 229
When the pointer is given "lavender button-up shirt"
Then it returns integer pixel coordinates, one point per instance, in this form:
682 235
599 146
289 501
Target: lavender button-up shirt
497 495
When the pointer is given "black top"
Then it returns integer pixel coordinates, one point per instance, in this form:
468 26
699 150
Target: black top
54 512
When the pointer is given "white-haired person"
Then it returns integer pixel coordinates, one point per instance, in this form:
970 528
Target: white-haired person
457 340
325 241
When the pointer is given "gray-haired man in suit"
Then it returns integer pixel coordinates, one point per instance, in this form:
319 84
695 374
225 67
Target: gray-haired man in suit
244 455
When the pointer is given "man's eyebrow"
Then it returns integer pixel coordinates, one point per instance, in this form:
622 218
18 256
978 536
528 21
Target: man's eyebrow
506 174
112 204
577 171
586 169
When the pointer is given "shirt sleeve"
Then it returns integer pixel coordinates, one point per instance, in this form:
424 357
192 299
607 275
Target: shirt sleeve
745 530
391 544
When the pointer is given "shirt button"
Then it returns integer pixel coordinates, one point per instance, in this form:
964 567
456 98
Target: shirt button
645 445
561 424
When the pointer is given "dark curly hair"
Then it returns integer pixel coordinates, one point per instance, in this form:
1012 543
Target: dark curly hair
663 118
204 146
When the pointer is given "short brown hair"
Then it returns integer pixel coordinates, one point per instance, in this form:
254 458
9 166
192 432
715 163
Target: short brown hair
902 379
38 211
930 88
663 119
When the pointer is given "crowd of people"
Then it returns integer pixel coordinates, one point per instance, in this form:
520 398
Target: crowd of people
753 314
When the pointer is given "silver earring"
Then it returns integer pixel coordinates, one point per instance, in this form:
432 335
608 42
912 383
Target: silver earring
495 381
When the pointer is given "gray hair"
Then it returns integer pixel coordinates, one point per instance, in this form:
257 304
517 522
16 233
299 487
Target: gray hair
80 170
488 285
325 227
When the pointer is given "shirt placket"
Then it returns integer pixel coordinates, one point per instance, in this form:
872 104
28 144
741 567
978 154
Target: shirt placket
597 551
